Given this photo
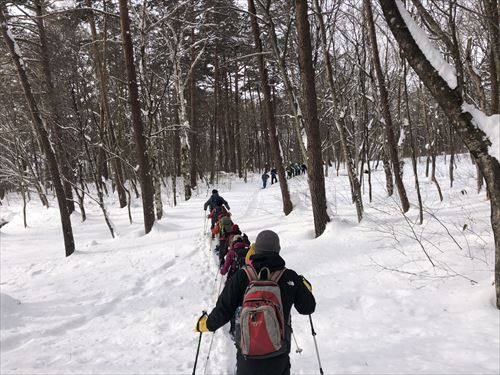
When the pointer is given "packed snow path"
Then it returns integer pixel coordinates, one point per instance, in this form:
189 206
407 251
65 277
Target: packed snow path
129 305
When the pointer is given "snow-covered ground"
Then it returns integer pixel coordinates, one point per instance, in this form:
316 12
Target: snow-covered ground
128 305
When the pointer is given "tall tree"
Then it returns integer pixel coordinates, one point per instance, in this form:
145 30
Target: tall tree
491 12
269 111
107 126
385 109
12 46
147 191
315 176
339 118
53 117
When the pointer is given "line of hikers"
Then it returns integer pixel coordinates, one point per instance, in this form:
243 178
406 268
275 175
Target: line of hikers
292 170
257 297
295 169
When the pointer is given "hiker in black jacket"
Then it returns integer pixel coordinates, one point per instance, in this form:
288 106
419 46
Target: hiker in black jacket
294 289
214 201
274 172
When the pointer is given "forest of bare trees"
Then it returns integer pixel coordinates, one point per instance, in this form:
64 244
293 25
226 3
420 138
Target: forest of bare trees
134 95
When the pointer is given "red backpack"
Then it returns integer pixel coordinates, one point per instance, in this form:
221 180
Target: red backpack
262 323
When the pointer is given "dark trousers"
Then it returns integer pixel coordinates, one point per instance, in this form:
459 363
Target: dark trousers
222 250
273 179
272 366
264 182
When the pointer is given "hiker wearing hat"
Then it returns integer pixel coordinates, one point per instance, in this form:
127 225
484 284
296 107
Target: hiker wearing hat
215 203
262 348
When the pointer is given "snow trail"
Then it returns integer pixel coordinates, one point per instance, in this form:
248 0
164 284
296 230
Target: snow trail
129 305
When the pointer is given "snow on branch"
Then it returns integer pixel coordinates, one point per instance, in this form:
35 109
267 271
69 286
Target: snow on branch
445 70
490 125
17 50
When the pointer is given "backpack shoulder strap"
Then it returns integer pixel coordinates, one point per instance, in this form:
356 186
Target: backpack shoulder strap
251 274
276 275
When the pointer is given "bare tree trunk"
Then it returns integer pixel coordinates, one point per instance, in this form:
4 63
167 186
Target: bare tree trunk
223 117
413 151
69 243
492 19
54 118
213 123
389 184
174 188
265 147
231 151
184 144
431 146
237 124
451 102
108 131
451 167
158 201
386 113
315 174
140 140
20 172
81 193
340 119
193 116
289 90
96 177
269 112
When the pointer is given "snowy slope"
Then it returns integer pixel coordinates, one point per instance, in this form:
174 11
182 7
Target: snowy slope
129 305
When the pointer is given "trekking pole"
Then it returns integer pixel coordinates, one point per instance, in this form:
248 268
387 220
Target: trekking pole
220 284
299 349
213 334
198 349
208 354
316 345
217 271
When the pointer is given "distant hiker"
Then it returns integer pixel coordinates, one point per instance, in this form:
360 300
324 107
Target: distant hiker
273 176
216 215
255 352
304 168
213 202
223 229
235 256
265 177
296 169
235 231
289 171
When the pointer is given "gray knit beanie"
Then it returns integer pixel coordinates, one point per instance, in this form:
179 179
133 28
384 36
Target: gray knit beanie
267 241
